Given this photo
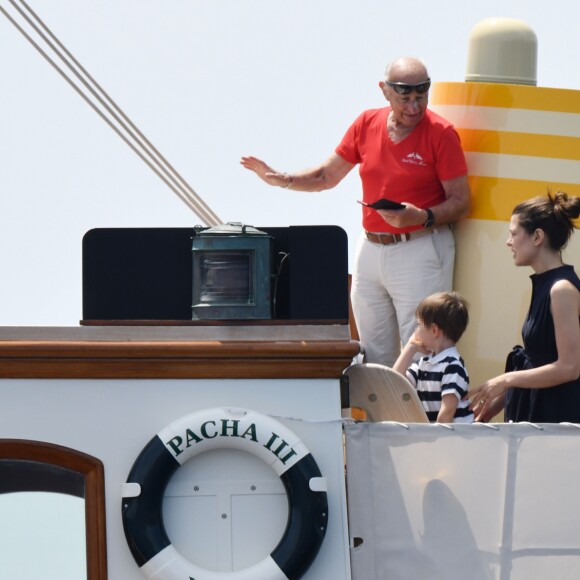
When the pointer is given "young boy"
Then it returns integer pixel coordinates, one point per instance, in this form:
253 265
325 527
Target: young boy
440 378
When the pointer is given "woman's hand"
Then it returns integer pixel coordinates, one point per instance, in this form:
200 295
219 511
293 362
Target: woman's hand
487 400
492 409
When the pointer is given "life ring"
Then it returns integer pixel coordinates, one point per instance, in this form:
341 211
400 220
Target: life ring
212 429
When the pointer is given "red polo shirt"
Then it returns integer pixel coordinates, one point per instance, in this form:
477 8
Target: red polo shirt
410 171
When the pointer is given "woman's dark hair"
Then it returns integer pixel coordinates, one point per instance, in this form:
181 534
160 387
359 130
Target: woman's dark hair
554 214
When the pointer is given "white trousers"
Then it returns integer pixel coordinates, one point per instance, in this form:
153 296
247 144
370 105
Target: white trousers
388 283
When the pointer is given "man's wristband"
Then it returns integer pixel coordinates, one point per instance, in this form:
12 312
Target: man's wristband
430 221
290 181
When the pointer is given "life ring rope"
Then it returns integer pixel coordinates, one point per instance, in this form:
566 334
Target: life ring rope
211 429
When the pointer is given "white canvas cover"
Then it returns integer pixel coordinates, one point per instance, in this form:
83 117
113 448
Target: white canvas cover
472 502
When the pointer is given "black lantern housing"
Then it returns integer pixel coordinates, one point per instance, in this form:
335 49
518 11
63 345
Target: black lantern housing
231 273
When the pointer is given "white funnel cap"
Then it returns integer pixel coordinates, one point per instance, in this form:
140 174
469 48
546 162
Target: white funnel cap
502 50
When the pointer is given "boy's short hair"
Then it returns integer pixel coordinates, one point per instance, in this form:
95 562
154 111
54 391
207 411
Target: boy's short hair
448 310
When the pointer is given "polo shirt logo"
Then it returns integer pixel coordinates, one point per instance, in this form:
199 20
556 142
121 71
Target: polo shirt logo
414 159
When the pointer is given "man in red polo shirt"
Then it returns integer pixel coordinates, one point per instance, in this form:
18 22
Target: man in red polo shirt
410 155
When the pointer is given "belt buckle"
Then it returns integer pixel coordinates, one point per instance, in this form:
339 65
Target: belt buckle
392 238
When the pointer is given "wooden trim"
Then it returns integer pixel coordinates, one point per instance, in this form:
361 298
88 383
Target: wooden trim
209 359
93 471
176 349
198 323
95 514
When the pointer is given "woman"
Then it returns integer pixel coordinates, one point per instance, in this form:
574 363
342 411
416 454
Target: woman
544 386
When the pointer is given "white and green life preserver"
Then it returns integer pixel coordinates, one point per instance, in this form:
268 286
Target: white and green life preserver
221 428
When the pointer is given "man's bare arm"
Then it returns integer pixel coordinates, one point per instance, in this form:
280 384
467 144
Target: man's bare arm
319 178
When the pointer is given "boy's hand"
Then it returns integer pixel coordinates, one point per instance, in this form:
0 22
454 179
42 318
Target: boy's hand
415 342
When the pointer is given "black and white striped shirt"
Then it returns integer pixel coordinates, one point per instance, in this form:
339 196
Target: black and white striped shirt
439 375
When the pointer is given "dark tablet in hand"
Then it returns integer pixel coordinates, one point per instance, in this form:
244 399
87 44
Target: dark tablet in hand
384 204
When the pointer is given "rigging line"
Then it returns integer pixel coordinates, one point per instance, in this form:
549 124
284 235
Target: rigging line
70 56
194 204
96 109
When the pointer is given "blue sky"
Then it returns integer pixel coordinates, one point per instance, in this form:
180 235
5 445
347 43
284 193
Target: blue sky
207 82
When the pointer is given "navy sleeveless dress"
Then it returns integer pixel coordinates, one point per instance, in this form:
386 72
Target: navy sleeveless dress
560 403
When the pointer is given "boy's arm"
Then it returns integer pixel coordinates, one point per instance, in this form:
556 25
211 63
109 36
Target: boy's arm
449 404
409 351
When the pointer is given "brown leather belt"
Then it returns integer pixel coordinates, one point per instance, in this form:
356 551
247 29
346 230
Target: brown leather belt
386 238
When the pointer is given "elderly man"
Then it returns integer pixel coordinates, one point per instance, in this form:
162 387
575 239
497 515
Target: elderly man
406 154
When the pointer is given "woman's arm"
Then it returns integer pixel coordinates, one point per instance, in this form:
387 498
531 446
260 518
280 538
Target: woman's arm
565 308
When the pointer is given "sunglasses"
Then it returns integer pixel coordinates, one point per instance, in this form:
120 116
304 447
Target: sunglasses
405 89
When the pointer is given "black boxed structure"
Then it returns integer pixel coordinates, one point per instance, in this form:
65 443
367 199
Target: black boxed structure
133 275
